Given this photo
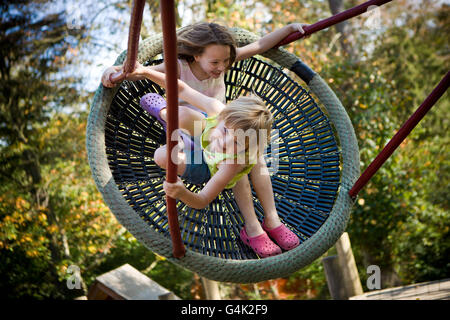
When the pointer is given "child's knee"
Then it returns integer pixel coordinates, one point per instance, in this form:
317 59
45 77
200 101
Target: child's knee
184 116
190 120
160 157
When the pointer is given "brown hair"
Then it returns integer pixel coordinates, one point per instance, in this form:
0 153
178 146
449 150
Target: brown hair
192 40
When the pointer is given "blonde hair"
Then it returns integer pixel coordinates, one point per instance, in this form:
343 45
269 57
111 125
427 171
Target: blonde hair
249 113
192 40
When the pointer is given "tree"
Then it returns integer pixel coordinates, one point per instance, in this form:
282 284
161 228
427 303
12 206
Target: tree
51 215
344 32
48 207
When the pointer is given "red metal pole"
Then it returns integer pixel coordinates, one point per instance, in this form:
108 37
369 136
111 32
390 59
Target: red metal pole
325 23
407 127
170 60
133 41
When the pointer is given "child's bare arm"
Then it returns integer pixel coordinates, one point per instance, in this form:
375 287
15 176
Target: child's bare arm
210 105
106 81
162 68
268 41
215 185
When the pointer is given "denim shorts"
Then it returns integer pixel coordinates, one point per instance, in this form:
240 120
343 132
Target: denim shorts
197 109
197 171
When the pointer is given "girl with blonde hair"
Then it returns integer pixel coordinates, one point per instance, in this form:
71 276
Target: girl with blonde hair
205 52
213 160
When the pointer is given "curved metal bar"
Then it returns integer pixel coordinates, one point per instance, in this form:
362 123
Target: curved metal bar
328 22
401 135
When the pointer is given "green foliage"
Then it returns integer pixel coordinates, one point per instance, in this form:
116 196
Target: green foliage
394 223
421 244
312 284
49 206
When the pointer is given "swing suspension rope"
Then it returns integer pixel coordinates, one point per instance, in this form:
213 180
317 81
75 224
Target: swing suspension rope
170 58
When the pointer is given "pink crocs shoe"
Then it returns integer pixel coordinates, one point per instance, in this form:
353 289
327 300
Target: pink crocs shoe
261 245
284 237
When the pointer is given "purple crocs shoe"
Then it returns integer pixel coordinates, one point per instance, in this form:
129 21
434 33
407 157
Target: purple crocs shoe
153 103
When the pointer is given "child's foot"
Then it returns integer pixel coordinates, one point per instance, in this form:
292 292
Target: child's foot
261 244
284 237
153 103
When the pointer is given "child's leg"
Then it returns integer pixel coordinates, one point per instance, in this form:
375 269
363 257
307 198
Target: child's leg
263 187
252 234
179 158
188 119
262 184
243 196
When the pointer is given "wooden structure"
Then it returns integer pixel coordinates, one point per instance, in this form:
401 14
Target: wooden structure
433 290
341 271
127 283
211 289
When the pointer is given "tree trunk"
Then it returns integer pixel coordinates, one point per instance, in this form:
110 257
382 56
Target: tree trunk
346 38
341 271
348 266
211 289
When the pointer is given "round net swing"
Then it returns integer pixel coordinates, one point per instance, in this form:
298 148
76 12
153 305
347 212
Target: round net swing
313 159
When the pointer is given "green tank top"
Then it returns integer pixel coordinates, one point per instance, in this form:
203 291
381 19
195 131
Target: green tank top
214 158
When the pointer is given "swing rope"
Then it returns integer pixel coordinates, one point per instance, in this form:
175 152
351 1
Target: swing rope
170 58
133 41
